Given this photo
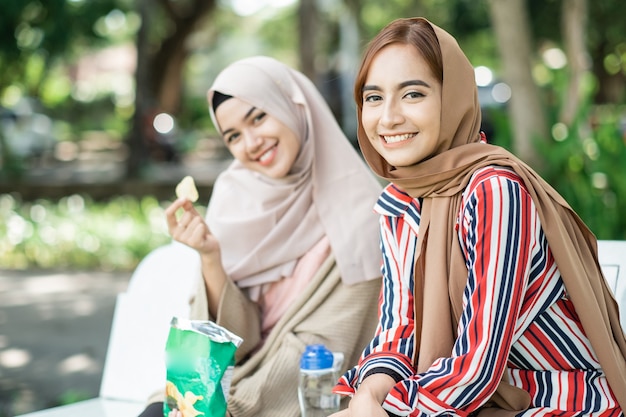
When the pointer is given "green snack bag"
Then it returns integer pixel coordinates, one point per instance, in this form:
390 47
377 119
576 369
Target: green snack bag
200 357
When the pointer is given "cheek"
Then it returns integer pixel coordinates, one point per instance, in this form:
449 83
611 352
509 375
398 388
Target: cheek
436 115
437 123
235 150
369 120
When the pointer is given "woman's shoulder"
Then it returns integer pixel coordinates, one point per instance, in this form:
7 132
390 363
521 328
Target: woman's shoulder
489 188
491 177
490 184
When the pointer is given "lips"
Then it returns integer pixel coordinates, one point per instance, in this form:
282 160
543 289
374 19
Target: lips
398 138
267 156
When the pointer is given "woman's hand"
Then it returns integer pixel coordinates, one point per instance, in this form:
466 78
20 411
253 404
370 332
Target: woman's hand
368 398
190 229
362 405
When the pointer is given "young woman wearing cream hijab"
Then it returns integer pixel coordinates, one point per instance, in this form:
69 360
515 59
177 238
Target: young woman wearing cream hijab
289 247
493 299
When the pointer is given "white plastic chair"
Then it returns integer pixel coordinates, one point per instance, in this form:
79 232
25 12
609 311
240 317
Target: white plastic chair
612 257
134 368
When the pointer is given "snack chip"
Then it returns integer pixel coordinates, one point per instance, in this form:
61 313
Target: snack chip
186 188
200 358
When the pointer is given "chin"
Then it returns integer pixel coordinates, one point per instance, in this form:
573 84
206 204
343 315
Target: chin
399 163
275 174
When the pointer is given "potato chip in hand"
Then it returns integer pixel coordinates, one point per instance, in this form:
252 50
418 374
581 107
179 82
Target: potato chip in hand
186 188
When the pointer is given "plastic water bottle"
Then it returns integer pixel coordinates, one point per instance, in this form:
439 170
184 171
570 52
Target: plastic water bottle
318 375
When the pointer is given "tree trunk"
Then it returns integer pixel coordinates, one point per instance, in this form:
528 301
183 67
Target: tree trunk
574 14
169 61
143 96
308 24
159 74
349 59
512 31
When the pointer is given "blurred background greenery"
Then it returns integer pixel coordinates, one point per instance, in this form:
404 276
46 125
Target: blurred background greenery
99 95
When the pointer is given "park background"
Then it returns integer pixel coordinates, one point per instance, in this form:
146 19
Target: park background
103 111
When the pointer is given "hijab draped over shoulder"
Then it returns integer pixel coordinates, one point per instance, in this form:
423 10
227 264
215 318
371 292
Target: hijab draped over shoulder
265 225
441 180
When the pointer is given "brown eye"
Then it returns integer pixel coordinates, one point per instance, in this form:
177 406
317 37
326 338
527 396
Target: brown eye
231 138
372 98
415 94
260 117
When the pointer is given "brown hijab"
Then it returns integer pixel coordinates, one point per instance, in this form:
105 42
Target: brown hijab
441 180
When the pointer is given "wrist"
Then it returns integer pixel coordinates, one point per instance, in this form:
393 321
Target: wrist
211 264
375 387
211 258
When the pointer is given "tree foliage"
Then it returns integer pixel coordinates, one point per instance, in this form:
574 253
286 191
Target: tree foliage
48 32
185 43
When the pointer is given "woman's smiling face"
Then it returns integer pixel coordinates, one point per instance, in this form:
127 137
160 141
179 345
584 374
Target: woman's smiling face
258 140
401 112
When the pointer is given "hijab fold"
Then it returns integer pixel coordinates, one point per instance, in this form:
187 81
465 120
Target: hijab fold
265 225
440 265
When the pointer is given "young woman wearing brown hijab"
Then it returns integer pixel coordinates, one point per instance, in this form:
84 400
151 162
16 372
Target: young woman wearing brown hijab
288 250
493 298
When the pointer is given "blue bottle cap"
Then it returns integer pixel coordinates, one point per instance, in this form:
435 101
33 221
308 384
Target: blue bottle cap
316 357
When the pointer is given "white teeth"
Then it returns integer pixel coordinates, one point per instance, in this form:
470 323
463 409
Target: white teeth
398 138
266 155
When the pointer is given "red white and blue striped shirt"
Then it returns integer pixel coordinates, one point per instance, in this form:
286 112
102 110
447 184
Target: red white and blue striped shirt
516 317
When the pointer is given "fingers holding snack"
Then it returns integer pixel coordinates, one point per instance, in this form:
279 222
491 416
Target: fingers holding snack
189 226
172 213
187 194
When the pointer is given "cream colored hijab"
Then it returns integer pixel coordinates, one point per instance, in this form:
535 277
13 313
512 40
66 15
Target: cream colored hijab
441 180
265 225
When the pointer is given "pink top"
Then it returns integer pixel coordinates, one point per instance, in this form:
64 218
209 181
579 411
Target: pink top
278 296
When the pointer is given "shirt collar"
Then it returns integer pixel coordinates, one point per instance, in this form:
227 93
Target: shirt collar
393 202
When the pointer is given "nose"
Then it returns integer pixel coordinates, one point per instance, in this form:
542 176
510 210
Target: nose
252 141
391 114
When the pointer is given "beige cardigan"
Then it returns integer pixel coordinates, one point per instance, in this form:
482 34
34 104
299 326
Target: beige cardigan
264 384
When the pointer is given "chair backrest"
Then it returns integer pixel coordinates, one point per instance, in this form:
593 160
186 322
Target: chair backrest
159 289
612 257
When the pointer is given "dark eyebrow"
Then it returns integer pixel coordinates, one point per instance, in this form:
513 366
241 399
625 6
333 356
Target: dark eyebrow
245 116
401 85
249 112
414 82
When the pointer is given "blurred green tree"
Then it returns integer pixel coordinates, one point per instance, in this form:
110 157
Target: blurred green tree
35 34
40 41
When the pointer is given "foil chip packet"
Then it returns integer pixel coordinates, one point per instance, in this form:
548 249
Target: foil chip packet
200 358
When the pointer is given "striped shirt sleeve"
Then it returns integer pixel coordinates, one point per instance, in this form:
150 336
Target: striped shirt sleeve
498 227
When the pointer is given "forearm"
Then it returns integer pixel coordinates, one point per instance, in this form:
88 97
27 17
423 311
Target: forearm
368 399
214 278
